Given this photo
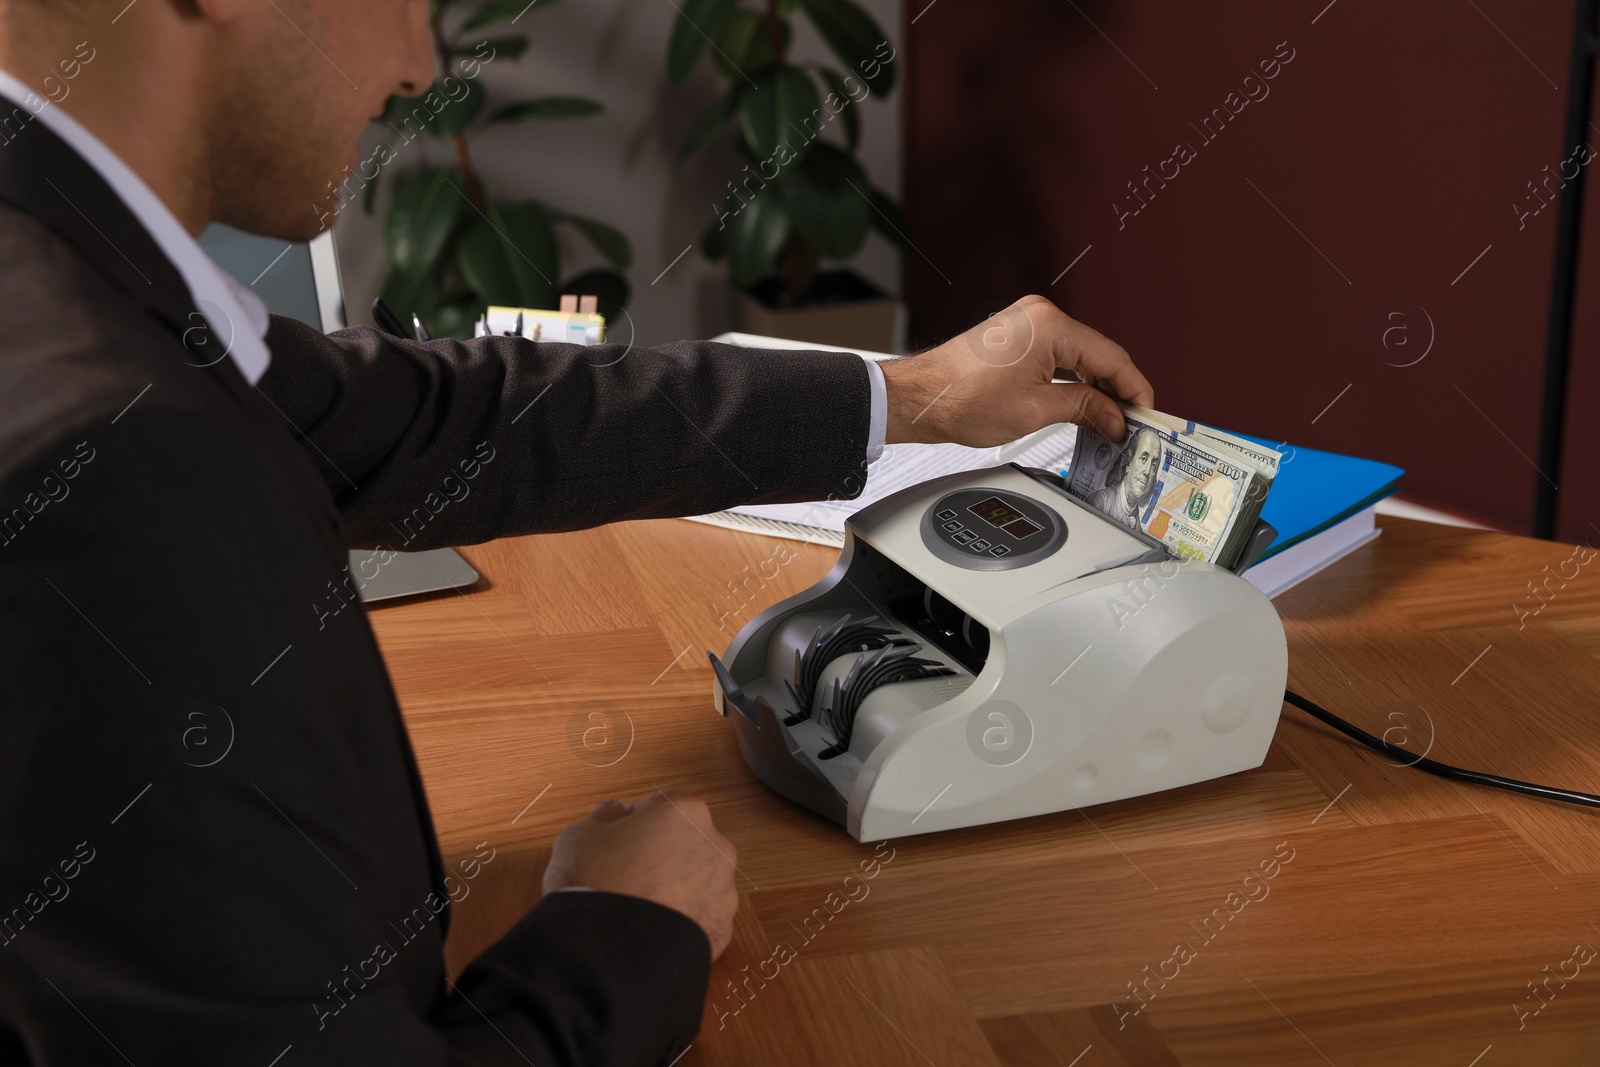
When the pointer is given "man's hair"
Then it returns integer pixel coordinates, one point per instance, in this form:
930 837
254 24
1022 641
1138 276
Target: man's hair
1119 469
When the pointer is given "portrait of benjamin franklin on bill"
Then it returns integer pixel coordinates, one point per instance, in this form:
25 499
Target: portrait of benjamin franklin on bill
1132 480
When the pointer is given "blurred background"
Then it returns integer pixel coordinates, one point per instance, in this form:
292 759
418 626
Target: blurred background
1354 226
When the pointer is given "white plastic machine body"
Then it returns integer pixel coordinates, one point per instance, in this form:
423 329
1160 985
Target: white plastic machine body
1069 662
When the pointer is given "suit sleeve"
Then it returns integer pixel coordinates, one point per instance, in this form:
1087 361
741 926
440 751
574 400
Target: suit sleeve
585 978
454 442
211 848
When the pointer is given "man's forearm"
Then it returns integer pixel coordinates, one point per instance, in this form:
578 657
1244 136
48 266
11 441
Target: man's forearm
911 398
461 442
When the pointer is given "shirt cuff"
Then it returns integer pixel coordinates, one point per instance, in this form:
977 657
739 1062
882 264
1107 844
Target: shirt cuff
879 426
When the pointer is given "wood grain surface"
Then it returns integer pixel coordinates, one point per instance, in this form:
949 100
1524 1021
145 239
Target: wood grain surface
1405 919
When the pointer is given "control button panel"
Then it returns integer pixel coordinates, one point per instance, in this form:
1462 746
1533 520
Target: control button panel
991 529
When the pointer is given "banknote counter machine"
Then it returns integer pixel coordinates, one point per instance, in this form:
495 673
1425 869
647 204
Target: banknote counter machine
987 648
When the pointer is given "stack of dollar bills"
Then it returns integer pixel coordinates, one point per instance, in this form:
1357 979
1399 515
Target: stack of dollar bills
1197 489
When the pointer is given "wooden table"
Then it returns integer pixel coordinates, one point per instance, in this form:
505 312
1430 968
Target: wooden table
1407 920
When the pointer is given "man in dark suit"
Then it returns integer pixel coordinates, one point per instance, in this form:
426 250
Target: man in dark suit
174 505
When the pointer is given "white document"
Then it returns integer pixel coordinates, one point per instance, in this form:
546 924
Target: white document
900 466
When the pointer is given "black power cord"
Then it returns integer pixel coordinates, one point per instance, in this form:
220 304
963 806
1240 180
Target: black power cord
1443 770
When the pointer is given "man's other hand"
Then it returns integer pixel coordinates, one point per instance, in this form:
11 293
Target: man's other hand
993 383
662 847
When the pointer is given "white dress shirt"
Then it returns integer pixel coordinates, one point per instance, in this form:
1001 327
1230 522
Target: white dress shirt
237 316
878 426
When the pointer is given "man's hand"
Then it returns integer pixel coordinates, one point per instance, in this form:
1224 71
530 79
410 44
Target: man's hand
993 383
661 847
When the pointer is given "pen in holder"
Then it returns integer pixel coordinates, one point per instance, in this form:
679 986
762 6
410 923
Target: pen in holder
575 322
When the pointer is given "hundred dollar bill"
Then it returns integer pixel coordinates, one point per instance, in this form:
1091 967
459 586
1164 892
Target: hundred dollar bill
1264 458
1198 494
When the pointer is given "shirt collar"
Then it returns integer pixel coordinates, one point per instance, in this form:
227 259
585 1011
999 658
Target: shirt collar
237 316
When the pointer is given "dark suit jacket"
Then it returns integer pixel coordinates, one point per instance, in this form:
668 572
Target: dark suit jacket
214 844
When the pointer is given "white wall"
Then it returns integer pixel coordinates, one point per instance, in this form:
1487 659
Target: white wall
618 166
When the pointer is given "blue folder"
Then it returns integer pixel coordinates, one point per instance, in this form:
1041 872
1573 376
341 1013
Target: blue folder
1314 490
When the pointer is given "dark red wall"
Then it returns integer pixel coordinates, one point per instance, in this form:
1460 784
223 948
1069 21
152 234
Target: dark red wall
1578 501
1396 142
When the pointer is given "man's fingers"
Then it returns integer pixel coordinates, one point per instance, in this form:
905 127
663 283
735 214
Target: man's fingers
1093 356
671 792
684 800
609 810
1086 405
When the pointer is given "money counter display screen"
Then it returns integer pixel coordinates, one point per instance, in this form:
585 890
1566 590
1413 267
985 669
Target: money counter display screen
1003 516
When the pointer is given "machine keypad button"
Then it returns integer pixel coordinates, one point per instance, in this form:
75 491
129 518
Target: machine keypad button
988 528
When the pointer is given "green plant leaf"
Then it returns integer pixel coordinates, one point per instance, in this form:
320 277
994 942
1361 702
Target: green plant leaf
711 122
435 112
850 111
547 107
856 39
455 319
610 287
502 46
889 218
408 294
500 10
510 258
775 112
400 108
745 45
754 237
612 242
425 213
458 114
826 195
699 22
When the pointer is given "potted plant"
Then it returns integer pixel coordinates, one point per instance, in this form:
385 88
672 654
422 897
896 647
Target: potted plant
802 197
452 250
